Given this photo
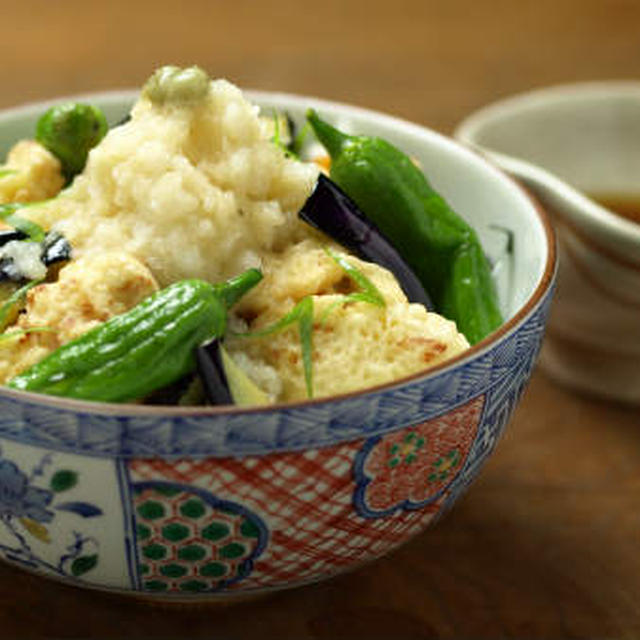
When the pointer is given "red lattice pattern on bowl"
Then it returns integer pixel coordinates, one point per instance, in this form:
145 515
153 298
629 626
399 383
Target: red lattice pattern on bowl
306 500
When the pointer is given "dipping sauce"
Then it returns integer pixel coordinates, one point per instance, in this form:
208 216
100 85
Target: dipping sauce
626 206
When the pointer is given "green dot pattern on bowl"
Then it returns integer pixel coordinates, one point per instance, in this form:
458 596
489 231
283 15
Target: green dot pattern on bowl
216 531
155 585
192 508
154 551
192 553
174 570
175 532
185 545
151 510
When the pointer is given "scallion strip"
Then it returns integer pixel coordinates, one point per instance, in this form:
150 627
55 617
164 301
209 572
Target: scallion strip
302 314
33 231
16 298
19 333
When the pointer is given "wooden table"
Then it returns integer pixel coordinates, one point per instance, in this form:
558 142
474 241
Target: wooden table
546 544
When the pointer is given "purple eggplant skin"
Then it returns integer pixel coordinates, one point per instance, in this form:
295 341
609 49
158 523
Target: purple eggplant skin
212 374
8 235
8 270
331 210
55 249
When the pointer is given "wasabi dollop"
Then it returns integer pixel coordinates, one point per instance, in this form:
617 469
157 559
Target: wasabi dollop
172 84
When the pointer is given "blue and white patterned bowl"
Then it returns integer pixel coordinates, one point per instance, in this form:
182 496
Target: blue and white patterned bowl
209 503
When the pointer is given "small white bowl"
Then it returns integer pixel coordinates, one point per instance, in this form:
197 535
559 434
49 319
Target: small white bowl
562 143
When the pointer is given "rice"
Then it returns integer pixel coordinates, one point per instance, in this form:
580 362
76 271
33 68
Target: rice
192 190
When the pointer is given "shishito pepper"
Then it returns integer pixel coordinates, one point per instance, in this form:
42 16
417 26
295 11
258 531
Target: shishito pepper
69 131
441 248
142 350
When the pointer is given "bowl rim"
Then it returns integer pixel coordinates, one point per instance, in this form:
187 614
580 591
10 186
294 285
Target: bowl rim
546 280
535 98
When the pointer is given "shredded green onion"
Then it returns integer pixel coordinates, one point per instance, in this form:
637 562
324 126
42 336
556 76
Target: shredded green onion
16 298
302 314
18 333
368 291
277 138
33 231
294 147
7 209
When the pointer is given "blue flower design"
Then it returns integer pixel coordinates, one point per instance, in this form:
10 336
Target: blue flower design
19 499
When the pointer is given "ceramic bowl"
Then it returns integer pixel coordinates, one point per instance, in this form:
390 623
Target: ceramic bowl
192 504
568 143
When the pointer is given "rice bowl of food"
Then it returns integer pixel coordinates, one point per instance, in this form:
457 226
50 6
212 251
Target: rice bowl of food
237 355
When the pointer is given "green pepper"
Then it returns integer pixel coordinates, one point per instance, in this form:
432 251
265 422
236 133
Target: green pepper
441 248
69 131
142 350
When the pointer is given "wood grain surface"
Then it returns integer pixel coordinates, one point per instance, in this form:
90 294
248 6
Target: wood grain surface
546 544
